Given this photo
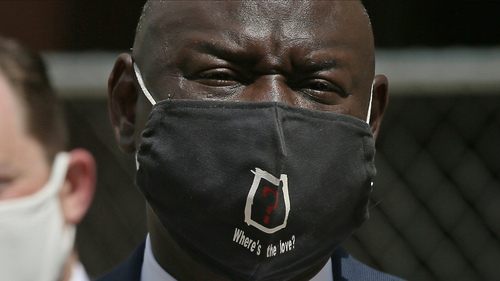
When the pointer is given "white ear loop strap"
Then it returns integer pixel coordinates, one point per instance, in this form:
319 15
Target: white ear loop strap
138 75
148 95
136 161
368 115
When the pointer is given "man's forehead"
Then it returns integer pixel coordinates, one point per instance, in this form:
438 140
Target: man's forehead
292 18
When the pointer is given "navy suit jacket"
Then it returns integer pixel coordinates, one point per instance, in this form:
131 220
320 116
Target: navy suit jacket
345 268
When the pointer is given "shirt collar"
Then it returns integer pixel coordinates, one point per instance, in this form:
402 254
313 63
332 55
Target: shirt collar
78 272
152 271
326 273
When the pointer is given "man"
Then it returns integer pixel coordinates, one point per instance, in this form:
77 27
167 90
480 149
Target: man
255 160
44 191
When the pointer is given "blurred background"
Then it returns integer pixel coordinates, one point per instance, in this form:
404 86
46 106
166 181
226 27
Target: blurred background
435 211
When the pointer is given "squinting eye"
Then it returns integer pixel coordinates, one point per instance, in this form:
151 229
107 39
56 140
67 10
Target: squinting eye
318 86
218 77
321 91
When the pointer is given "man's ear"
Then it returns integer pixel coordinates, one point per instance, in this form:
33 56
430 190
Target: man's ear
379 102
79 186
122 101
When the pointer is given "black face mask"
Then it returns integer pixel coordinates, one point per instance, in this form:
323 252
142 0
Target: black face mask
255 190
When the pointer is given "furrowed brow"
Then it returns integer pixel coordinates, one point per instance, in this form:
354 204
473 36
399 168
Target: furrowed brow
310 66
225 53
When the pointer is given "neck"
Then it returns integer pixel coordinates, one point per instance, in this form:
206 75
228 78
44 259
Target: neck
170 257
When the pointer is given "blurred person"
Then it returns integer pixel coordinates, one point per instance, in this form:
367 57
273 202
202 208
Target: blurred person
44 191
253 124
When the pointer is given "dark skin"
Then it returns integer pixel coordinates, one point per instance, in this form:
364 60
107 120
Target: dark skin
312 54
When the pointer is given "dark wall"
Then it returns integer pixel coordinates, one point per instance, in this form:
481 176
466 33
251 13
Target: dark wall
110 25
71 24
434 23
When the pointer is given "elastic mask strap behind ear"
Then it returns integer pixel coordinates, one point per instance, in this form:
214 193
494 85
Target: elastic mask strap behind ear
138 75
368 115
136 161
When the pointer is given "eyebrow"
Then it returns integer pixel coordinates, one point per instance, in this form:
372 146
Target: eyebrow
238 54
225 53
311 66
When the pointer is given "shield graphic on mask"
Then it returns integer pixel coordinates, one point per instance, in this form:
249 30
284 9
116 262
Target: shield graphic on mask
268 202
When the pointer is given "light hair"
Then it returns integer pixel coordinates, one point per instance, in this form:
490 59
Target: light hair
26 73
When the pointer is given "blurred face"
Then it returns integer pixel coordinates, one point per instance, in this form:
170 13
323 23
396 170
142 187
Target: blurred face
312 54
24 168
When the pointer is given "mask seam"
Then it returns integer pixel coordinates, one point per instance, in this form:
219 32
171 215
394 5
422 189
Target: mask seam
281 135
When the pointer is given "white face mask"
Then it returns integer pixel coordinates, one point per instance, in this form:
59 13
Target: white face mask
35 241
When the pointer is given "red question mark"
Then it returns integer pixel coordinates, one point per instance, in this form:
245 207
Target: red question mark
270 208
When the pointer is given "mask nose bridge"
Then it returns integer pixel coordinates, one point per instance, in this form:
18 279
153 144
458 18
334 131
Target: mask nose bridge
272 88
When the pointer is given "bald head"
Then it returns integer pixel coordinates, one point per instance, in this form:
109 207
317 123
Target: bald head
151 4
152 7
